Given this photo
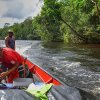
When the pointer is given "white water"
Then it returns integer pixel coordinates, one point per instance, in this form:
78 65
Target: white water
21 46
22 49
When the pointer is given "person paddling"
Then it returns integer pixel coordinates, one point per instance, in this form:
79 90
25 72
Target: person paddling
10 40
11 60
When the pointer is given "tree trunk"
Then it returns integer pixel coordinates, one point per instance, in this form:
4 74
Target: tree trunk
97 8
75 32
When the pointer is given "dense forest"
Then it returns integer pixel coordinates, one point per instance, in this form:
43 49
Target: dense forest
71 21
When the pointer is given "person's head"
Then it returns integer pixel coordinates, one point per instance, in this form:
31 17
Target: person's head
10 33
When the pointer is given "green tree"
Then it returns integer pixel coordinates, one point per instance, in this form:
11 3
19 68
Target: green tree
48 22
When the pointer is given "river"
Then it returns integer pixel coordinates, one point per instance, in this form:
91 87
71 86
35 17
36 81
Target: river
77 65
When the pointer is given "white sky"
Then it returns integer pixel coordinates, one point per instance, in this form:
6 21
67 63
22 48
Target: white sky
13 11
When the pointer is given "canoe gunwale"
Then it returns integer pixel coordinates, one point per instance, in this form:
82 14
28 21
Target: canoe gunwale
42 74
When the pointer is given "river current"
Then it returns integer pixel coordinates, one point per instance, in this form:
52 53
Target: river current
75 65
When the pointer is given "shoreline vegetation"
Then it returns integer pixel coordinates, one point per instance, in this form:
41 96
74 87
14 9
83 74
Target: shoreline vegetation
65 21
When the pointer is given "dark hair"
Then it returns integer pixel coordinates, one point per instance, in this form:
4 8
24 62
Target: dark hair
1 48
